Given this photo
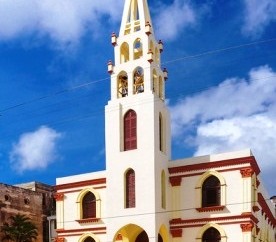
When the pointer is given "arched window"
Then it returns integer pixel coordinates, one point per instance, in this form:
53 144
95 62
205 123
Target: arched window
161 88
211 192
156 54
138 80
163 190
161 134
130 188
89 239
89 206
124 52
122 84
137 49
130 130
211 235
154 81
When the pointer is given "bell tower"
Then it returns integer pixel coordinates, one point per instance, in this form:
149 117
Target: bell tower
137 129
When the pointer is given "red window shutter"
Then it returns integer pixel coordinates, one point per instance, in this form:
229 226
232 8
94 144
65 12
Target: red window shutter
130 189
89 206
130 130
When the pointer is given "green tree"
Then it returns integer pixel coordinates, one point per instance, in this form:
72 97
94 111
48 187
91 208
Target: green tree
20 229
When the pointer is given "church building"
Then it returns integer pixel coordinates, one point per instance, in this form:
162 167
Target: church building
143 195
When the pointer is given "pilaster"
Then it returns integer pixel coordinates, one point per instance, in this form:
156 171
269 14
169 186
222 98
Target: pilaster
247 189
60 210
176 196
247 232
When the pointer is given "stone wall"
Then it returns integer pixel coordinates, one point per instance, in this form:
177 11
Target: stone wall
36 203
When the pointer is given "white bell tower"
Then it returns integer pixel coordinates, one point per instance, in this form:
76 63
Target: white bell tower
137 130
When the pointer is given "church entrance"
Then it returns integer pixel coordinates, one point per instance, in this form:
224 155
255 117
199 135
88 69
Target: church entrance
131 233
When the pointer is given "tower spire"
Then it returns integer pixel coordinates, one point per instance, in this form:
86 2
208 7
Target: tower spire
137 64
137 123
135 16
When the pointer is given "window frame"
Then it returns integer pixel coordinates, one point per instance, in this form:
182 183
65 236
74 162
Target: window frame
198 191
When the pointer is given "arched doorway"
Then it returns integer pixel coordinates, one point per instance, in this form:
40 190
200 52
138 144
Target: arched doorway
142 237
163 235
89 239
160 239
211 235
131 233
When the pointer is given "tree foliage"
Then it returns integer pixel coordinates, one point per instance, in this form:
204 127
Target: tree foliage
19 229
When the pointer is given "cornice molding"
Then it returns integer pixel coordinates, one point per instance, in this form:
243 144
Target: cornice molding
81 184
266 210
180 222
67 231
217 164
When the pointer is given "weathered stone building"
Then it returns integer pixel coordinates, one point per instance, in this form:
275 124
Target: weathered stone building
35 200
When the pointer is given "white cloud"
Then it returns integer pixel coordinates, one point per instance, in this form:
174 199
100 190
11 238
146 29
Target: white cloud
64 21
172 19
235 115
258 15
35 150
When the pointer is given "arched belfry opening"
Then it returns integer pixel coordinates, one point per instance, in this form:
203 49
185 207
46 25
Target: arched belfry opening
138 80
137 49
124 53
133 18
122 84
133 13
131 233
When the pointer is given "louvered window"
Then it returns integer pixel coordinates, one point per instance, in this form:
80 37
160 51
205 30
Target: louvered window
130 130
211 192
130 189
211 235
89 206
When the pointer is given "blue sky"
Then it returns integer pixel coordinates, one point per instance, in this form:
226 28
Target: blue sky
221 58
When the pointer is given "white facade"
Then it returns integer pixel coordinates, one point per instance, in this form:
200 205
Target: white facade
143 195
